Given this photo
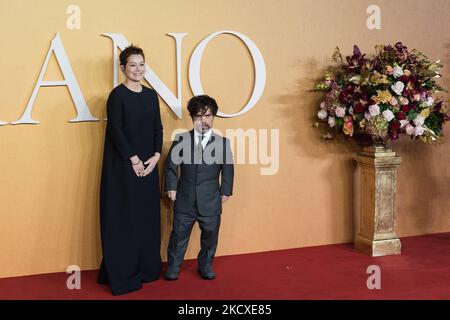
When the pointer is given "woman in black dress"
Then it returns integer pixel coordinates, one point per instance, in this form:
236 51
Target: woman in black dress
129 191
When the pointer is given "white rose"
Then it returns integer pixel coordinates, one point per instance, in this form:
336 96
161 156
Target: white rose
322 105
367 115
388 115
418 121
409 129
398 72
322 114
340 112
419 131
398 87
430 101
374 110
403 123
331 121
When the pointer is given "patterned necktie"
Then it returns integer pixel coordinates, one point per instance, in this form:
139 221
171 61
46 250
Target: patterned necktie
199 149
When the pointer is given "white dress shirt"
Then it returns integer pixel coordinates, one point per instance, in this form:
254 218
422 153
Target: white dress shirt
206 137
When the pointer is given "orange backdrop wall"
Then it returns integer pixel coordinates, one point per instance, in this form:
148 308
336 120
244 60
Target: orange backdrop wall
50 172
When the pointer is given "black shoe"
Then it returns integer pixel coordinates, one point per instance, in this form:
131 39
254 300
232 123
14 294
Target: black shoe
171 275
207 275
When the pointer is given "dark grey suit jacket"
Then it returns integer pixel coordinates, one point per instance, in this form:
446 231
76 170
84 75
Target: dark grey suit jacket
195 175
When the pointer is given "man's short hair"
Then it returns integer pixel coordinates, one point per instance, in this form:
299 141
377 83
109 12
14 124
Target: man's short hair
200 104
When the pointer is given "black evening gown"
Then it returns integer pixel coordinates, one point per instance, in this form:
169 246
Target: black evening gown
130 205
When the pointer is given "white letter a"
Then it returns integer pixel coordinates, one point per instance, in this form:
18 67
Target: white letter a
83 113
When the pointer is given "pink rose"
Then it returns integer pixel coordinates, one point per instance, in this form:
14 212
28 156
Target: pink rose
403 123
374 110
404 101
393 101
409 129
340 112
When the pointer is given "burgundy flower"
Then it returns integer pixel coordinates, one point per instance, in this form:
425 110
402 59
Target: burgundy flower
401 116
349 90
400 47
405 109
395 125
404 79
357 59
358 108
393 134
343 97
438 106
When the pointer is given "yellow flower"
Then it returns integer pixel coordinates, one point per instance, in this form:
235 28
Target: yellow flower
362 124
378 78
425 113
382 97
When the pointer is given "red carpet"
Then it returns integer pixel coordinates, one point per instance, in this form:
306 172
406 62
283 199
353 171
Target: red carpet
324 272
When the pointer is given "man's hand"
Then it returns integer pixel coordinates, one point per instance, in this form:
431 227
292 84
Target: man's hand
172 195
225 198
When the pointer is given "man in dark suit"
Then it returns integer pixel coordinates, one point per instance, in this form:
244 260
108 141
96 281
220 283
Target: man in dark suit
194 165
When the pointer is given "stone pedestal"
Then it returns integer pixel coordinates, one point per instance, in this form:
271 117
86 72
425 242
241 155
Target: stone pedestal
378 170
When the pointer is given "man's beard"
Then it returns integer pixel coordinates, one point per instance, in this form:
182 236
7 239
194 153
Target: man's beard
204 128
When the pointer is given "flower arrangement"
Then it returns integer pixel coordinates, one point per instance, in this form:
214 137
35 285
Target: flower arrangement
384 95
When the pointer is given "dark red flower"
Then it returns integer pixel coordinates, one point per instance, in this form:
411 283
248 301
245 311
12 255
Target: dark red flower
358 108
404 79
401 116
393 134
405 109
395 125
438 106
343 97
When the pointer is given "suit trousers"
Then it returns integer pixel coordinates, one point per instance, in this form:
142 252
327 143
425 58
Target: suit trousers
179 238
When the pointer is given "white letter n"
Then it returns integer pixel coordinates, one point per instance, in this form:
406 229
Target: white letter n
174 103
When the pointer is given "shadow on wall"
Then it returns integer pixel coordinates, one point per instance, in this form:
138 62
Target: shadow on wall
423 178
166 203
301 106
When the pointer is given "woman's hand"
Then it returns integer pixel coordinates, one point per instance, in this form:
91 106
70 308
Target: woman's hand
151 164
137 165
